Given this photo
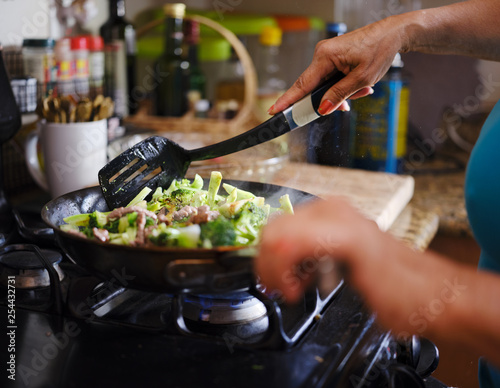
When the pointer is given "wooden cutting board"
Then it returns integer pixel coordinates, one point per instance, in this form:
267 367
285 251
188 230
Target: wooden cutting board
379 196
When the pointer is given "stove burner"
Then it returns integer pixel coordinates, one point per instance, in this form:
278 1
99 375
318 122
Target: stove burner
28 268
223 309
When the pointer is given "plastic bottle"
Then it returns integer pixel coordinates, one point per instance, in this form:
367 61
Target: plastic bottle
39 62
381 123
170 97
64 63
96 65
80 52
214 52
271 83
329 137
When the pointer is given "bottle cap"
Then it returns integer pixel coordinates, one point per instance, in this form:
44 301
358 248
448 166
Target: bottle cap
397 62
270 36
95 43
79 43
336 28
176 10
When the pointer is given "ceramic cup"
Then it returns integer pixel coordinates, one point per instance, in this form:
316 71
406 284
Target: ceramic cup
72 154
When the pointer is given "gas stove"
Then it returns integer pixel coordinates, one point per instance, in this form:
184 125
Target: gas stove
68 328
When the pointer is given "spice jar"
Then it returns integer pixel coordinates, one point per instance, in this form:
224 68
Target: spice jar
39 62
64 64
80 51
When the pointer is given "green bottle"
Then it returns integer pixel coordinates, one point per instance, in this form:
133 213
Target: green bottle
171 69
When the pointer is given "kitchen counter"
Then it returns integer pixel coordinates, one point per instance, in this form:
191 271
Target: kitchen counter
381 197
443 194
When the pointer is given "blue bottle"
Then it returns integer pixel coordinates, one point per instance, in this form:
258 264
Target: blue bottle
380 124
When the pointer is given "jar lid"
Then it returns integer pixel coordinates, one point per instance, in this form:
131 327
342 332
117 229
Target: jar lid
176 10
39 43
270 36
95 43
79 43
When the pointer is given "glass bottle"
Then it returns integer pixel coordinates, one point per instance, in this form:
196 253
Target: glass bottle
120 52
170 96
271 84
329 137
197 79
231 84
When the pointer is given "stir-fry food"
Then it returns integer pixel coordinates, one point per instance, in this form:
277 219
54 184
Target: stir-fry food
183 215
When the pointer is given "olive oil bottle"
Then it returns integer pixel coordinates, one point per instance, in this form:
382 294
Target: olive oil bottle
172 69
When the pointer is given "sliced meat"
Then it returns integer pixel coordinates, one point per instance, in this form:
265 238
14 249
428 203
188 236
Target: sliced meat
186 211
203 215
101 234
121 211
141 223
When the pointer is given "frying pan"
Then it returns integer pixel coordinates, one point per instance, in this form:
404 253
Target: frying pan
160 269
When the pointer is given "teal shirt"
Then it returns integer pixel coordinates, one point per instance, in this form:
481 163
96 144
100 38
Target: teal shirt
482 199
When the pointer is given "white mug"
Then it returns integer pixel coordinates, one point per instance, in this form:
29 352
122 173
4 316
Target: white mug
72 153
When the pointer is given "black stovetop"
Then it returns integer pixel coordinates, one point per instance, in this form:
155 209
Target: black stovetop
141 344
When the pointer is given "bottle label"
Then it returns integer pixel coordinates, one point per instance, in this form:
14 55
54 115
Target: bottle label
381 122
81 68
64 71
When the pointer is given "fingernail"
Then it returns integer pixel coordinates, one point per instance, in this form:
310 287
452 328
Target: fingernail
326 108
271 110
371 91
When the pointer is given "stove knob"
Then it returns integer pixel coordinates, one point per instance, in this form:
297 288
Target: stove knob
399 375
408 351
429 358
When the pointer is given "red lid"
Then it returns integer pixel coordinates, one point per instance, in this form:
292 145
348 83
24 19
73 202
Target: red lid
293 23
79 43
96 43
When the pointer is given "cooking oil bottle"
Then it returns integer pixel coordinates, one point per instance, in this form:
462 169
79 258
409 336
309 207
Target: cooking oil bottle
380 123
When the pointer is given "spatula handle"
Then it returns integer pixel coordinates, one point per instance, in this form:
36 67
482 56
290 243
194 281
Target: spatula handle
297 115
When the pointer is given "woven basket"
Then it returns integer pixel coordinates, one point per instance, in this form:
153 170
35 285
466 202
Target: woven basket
246 117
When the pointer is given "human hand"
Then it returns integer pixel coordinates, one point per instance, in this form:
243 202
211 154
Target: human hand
395 281
363 55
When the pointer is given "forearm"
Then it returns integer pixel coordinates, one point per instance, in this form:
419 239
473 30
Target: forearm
471 316
469 28
478 316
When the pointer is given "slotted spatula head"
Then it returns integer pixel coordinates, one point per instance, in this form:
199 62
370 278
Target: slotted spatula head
153 162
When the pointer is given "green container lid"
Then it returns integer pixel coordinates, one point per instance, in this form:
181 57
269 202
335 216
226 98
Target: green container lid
213 49
239 24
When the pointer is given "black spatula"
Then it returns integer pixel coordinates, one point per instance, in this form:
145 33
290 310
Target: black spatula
156 161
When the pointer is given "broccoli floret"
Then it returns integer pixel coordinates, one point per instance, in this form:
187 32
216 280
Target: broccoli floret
248 221
182 197
219 232
97 220
112 226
